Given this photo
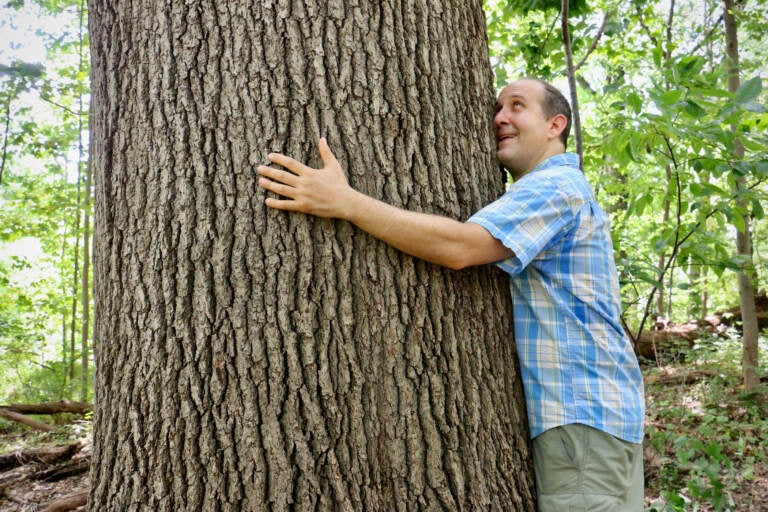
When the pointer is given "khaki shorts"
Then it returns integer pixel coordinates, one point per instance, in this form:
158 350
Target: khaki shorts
581 469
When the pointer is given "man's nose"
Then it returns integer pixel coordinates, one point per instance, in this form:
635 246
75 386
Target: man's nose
500 118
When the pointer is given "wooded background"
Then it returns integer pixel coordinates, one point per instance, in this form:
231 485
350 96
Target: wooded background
659 129
672 113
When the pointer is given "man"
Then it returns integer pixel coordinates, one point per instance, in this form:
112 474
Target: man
583 386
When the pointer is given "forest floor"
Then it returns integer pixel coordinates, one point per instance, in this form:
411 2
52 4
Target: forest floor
31 486
706 443
705 448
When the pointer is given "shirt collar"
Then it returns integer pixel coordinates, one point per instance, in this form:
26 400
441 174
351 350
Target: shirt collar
559 160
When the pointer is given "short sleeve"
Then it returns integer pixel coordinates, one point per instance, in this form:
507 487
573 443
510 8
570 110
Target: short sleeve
527 219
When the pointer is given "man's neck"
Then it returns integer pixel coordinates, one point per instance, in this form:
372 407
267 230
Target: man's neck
544 156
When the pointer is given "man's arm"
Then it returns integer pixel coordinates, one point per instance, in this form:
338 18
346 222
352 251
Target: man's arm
326 193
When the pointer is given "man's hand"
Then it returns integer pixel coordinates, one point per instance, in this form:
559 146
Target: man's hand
323 192
326 193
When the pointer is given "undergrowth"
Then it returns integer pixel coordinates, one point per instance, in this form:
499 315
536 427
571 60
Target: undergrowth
706 438
705 447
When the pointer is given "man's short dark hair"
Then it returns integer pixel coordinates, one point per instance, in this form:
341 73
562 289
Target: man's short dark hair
555 103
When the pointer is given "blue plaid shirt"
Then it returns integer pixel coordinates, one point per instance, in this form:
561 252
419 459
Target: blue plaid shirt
577 363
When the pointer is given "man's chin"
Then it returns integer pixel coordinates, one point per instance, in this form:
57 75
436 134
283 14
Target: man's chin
506 158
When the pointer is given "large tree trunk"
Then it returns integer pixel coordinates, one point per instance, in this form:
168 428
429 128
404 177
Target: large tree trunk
257 360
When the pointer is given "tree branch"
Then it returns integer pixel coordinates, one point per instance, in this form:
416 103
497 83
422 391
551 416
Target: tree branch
645 27
66 109
595 41
5 136
705 39
675 246
572 83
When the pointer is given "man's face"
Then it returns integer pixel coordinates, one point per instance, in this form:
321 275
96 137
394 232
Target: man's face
523 133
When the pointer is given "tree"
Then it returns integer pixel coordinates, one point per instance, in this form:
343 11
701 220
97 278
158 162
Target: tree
254 360
746 274
571 73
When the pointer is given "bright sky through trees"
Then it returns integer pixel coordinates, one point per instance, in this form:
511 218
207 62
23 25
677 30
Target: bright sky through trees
19 29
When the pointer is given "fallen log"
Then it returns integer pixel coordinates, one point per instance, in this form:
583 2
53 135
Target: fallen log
66 503
58 407
673 378
8 495
25 420
62 472
44 455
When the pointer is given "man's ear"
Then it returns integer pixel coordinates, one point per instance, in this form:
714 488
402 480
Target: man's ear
557 124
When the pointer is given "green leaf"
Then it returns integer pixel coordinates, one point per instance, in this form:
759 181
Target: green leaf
640 203
742 168
736 262
753 145
658 55
738 222
575 7
748 91
696 189
636 102
669 98
752 106
694 109
629 151
690 65
721 169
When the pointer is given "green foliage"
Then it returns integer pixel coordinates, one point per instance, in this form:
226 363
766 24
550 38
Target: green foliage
575 7
45 108
660 132
21 69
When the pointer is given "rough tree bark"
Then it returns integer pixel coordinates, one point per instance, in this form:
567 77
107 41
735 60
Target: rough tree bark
256 360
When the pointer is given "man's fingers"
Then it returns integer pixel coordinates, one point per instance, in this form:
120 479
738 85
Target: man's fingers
289 163
277 188
282 204
278 175
325 152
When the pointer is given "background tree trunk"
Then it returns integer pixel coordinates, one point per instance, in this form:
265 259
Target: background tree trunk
85 328
256 360
750 329
571 74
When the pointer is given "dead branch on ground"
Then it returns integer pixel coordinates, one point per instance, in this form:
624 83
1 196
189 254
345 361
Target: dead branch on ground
60 406
67 503
25 420
44 455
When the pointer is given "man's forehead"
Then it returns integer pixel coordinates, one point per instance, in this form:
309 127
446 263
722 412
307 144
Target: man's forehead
525 89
